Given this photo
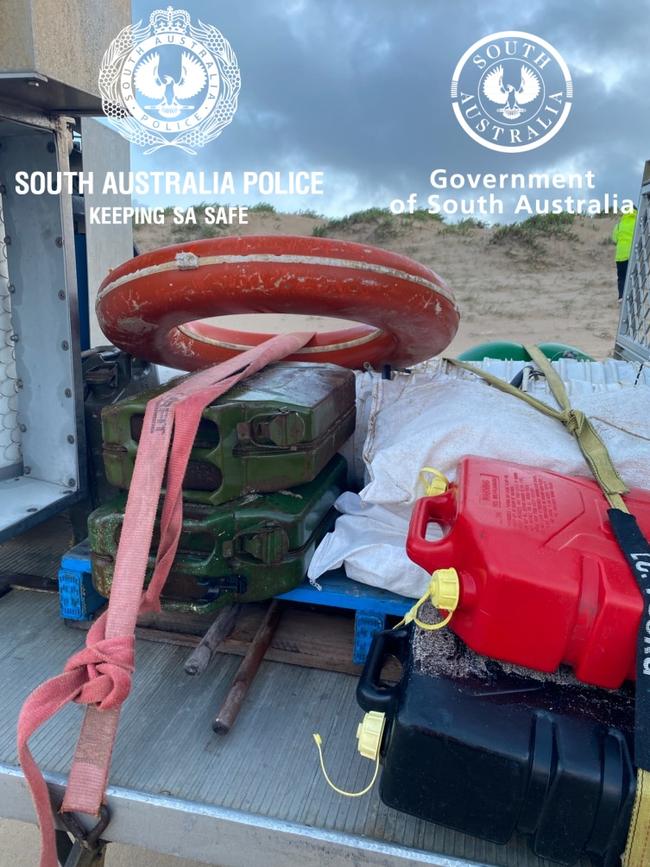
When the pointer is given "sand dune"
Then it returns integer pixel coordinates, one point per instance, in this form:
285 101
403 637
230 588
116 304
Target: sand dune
552 282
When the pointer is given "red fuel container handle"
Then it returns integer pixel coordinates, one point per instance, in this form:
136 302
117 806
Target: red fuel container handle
432 554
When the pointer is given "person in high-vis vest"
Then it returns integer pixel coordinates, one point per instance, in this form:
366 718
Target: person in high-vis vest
623 237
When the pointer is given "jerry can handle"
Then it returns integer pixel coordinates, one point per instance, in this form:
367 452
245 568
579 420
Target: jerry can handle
431 554
372 694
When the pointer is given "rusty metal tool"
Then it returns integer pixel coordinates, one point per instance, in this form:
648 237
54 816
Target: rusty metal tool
198 661
246 672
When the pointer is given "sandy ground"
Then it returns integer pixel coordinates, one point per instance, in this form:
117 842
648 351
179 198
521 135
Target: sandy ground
19 848
561 287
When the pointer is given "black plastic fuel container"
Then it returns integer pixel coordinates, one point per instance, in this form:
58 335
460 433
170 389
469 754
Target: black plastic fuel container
493 751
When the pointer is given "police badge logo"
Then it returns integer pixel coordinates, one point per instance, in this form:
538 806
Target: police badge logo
511 91
169 83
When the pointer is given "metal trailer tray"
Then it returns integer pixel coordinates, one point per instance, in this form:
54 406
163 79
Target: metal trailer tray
253 797
274 431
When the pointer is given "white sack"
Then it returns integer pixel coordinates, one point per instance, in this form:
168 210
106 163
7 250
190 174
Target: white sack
434 418
370 540
437 419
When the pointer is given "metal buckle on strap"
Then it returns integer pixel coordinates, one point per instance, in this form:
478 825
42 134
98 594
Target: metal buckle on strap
87 849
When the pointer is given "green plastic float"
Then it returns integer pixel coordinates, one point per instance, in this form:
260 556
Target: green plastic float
507 351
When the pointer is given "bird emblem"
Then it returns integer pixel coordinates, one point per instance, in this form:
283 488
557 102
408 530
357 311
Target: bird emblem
169 92
506 95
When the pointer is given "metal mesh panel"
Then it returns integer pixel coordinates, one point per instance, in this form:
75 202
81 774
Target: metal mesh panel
633 341
9 430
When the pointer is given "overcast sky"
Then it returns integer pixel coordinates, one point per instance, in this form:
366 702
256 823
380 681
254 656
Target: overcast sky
360 90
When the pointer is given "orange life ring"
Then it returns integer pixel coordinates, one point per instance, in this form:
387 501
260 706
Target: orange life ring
150 304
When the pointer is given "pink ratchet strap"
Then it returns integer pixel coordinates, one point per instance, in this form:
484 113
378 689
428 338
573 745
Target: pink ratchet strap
100 675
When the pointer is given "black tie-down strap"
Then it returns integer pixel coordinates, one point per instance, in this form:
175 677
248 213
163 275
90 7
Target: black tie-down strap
636 549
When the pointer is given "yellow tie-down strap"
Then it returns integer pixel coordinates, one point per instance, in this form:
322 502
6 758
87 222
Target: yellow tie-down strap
574 420
637 851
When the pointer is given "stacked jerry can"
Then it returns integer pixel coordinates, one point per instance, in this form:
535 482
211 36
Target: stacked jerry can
258 492
520 716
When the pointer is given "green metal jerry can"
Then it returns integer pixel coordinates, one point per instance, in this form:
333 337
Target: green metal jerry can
247 550
276 430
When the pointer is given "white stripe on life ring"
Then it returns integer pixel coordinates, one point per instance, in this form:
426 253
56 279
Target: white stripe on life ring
188 331
265 258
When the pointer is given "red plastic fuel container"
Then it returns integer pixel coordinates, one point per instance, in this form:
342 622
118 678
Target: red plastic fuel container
542 579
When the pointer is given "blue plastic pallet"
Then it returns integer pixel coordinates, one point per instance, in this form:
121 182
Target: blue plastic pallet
78 599
371 605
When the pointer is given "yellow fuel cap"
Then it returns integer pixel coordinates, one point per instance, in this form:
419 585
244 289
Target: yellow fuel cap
444 590
443 593
369 734
434 482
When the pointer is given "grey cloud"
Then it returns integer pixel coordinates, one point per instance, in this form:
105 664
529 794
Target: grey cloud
360 88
